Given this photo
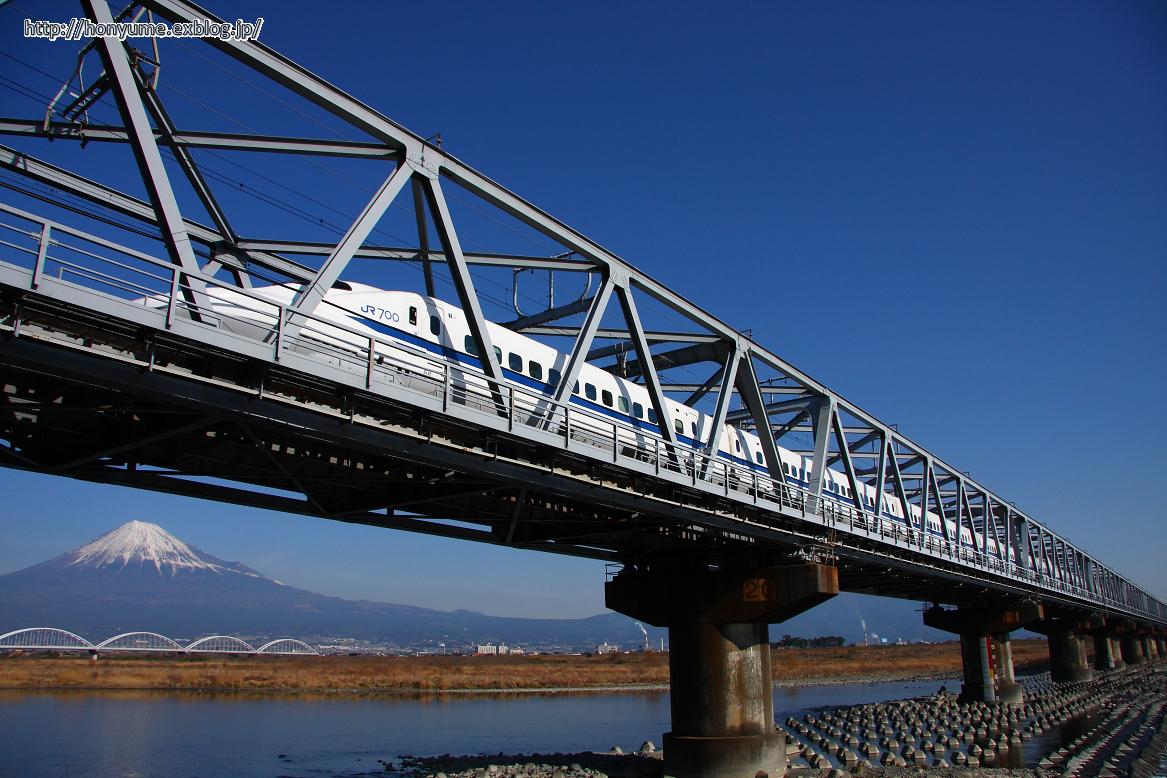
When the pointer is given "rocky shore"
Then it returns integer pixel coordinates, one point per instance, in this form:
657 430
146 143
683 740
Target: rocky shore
1114 725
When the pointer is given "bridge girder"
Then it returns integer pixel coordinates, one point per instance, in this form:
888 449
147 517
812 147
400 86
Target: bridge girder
842 433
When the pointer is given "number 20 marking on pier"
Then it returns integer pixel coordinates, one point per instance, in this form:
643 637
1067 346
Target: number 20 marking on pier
757 590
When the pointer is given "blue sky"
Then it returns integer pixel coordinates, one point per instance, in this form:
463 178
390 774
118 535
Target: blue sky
953 214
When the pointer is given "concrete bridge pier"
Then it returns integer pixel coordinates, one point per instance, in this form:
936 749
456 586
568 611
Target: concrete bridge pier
983 630
1116 652
1067 653
1008 690
1104 658
1132 649
1151 649
1067 657
718 617
974 659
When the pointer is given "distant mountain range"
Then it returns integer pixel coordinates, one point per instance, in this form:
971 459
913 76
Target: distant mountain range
140 577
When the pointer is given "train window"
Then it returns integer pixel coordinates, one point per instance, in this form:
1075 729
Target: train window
622 403
554 377
535 369
576 387
652 415
737 445
412 315
515 362
758 457
679 426
606 398
468 345
498 355
435 325
694 426
638 410
786 467
589 391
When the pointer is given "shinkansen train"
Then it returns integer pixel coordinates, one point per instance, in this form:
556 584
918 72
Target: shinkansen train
440 330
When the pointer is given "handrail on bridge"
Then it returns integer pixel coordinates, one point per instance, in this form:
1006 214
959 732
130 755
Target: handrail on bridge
160 285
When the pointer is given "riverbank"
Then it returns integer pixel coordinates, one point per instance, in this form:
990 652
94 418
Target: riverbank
467 674
1115 724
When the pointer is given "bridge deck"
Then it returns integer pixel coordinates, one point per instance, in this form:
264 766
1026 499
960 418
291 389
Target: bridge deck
373 431
118 366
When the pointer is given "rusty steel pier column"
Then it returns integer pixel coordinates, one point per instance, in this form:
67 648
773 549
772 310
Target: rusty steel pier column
719 653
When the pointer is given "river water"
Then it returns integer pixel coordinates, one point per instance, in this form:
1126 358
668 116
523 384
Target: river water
212 734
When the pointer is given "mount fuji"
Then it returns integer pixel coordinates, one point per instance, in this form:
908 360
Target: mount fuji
140 577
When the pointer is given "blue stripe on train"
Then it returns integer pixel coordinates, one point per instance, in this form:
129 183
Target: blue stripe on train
462 358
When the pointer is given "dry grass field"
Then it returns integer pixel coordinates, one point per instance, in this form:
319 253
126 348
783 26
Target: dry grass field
427 674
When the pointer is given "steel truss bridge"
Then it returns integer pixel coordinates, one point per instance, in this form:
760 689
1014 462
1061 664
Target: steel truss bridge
54 639
117 369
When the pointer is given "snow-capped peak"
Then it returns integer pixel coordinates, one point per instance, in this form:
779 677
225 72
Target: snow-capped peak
141 544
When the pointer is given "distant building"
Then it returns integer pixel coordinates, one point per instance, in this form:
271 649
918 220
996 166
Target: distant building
502 649
607 648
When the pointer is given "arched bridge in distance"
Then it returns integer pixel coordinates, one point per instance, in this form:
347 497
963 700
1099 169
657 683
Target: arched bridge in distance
55 639
151 343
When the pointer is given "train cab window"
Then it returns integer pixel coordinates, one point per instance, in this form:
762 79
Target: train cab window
412 315
589 391
786 467
758 457
435 325
554 377
652 415
622 404
535 369
515 362
498 355
606 398
737 446
693 425
469 347
679 426
638 410
575 388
